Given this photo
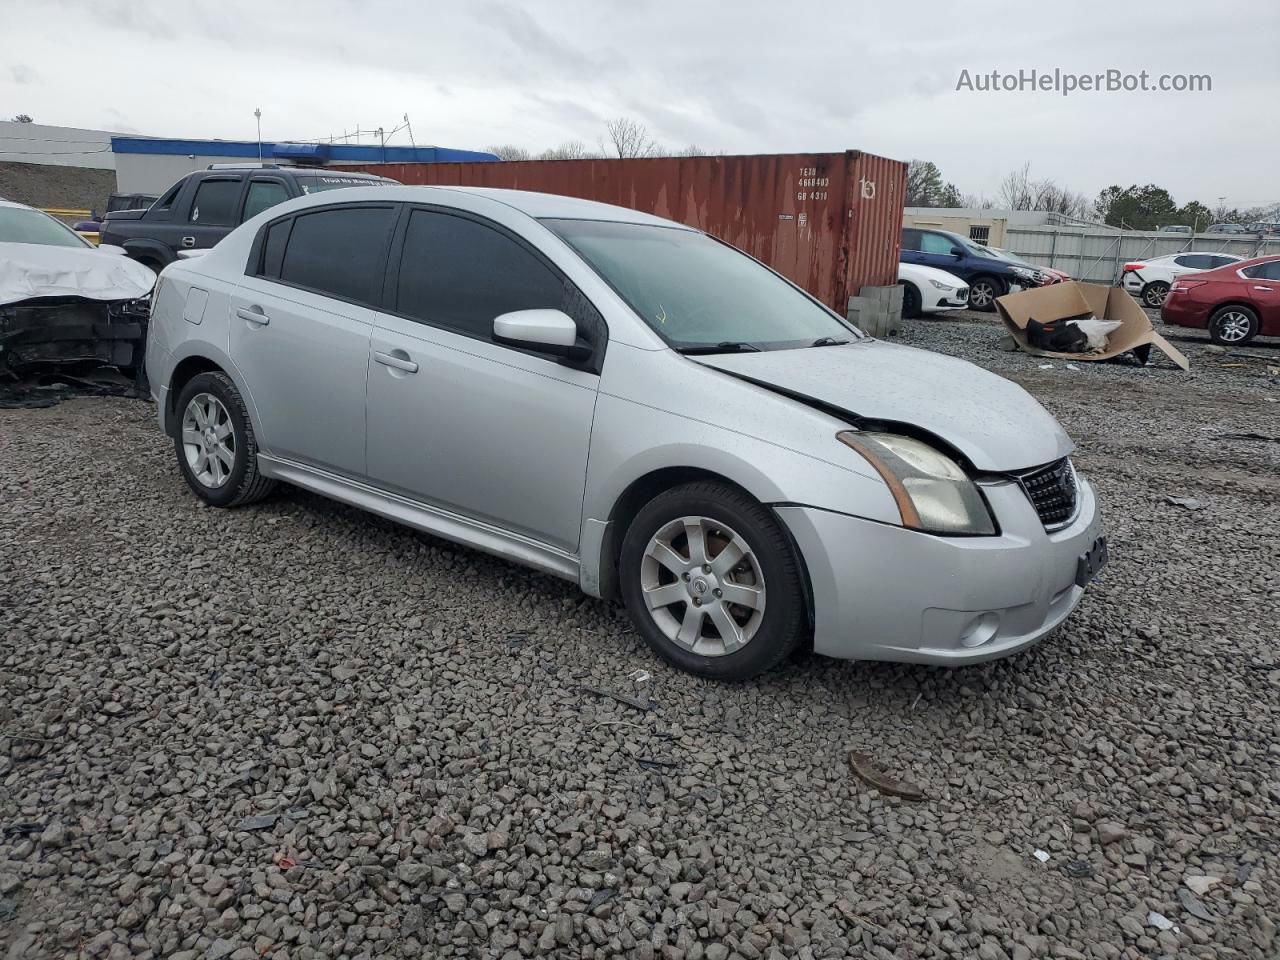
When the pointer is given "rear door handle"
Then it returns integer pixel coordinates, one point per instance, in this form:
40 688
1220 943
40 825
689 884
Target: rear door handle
1268 289
253 314
188 241
400 363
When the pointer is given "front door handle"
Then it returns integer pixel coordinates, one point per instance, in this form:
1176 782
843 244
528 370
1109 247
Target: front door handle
254 314
399 363
188 241
1268 289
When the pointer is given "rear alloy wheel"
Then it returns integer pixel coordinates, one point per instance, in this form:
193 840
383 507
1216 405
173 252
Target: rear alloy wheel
1233 326
217 451
1153 293
983 293
712 583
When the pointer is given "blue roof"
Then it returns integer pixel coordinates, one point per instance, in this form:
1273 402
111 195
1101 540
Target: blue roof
336 152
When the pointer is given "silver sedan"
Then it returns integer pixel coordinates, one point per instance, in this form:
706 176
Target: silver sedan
633 405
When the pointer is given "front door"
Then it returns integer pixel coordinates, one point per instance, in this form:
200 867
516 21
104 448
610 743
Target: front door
299 332
455 420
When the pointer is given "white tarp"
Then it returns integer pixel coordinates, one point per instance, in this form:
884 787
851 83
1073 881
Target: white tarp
30 270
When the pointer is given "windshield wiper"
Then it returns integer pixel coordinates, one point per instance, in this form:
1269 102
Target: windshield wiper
724 346
828 342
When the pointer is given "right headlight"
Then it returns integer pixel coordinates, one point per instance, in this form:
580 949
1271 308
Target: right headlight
932 492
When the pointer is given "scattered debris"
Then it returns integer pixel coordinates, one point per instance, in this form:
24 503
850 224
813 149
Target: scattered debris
1077 869
871 773
261 822
603 896
1192 904
50 389
1200 884
1159 921
636 702
639 676
1046 366
1260 437
1188 503
1041 855
647 763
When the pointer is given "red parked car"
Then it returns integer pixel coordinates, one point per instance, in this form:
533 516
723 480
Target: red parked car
1236 303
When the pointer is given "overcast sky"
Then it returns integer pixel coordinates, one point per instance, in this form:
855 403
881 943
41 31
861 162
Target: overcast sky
741 77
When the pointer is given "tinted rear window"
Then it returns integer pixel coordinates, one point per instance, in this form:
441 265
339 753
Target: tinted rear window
339 252
215 203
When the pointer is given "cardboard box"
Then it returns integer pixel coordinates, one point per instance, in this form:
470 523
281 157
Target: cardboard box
1072 298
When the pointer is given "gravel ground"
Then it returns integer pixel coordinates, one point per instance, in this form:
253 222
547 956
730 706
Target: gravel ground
296 730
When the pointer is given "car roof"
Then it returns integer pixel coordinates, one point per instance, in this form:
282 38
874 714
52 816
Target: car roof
539 206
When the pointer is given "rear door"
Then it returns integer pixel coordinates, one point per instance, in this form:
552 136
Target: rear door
299 331
474 427
213 210
1264 292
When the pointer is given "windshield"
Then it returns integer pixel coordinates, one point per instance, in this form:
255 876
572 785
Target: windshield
975 249
24 225
696 292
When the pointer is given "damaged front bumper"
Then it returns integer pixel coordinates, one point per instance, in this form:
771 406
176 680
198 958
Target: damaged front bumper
53 334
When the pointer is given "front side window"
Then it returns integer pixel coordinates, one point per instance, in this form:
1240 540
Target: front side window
215 203
936 243
25 225
262 195
698 293
460 274
339 252
910 239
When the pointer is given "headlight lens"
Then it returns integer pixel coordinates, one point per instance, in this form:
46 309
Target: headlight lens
932 492
1022 273
940 286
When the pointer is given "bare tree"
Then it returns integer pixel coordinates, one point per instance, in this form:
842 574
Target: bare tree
1019 192
1016 190
509 151
569 150
628 138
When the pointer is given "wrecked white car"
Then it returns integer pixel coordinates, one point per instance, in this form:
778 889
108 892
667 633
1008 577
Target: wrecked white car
66 305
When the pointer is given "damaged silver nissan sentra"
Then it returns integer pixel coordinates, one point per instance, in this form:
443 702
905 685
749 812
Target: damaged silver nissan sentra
65 304
630 404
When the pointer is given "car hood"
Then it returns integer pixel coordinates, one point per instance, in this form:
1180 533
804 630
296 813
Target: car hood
917 271
31 270
992 421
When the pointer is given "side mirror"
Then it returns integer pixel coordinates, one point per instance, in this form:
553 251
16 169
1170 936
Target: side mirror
547 331
957 252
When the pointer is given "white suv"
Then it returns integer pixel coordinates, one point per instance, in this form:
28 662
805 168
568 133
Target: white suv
1149 280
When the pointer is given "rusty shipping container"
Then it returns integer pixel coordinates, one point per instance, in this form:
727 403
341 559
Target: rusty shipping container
830 222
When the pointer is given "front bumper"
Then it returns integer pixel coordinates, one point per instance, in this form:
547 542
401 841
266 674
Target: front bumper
938 300
882 592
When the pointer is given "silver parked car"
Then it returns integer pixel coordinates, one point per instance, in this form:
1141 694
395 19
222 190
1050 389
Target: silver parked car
630 404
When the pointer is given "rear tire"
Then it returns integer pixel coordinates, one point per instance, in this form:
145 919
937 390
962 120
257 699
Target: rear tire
983 292
1153 294
215 445
1233 326
910 300
710 580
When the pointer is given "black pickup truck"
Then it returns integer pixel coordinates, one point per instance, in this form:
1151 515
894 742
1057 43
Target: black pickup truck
203 207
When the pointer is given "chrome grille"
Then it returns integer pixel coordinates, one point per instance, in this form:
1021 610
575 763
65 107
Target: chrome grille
1052 491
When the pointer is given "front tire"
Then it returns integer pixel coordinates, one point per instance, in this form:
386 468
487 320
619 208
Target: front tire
983 292
910 300
712 583
1233 326
215 445
1153 294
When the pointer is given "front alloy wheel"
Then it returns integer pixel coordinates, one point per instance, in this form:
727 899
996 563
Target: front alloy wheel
982 294
712 581
703 586
208 441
